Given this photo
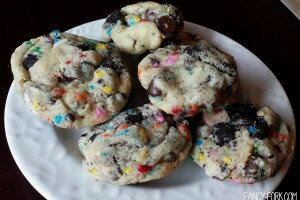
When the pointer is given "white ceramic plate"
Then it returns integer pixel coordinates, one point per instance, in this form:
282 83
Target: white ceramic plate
50 160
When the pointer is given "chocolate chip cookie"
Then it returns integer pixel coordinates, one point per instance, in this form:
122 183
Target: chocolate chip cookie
180 79
71 81
138 145
241 143
143 26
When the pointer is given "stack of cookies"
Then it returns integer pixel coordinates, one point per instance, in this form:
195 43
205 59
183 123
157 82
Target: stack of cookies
190 106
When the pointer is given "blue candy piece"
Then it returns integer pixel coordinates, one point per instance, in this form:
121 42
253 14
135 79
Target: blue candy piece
108 32
199 142
251 129
91 87
124 132
58 119
104 154
55 33
56 40
129 111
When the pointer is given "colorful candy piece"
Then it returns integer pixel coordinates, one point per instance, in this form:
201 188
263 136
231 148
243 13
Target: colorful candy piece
58 119
160 118
227 160
100 113
176 111
144 168
201 157
107 90
128 170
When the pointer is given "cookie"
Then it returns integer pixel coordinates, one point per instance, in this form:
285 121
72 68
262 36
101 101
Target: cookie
71 81
143 26
138 145
242 143
180 79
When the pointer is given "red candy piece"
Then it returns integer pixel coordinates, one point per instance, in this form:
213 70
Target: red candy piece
194 110
145 20
57 93
176 110
82 55
144 168
68 62
218 110
184 129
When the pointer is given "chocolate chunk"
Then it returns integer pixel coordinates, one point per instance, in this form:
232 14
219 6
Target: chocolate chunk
262 130
83 135
171 157
251 167
190 51
85 46
70 117
100 81
114 17
124 95
169 119
65 79
153 61
208 78
183 113
224 133
241 114
166 24
29 61
92 138
203 50
153 91
135 118
52 101
108 63
223 169
234 144
149 15
118 165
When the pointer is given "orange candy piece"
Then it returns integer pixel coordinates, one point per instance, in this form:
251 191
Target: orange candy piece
79 97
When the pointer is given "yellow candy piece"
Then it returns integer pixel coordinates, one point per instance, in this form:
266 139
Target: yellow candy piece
144 154
143 135
136 18
168 9
93 172
107 89
128 170
36 105
99 74
201 157
227 159
100 46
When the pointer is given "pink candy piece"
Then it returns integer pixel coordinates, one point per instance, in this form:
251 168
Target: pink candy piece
160 118
213 153
173 58
100 113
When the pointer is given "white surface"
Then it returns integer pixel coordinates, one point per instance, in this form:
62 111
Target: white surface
293 6
50 160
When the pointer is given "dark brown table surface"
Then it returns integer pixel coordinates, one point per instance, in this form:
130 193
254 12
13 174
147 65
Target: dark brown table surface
265 27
